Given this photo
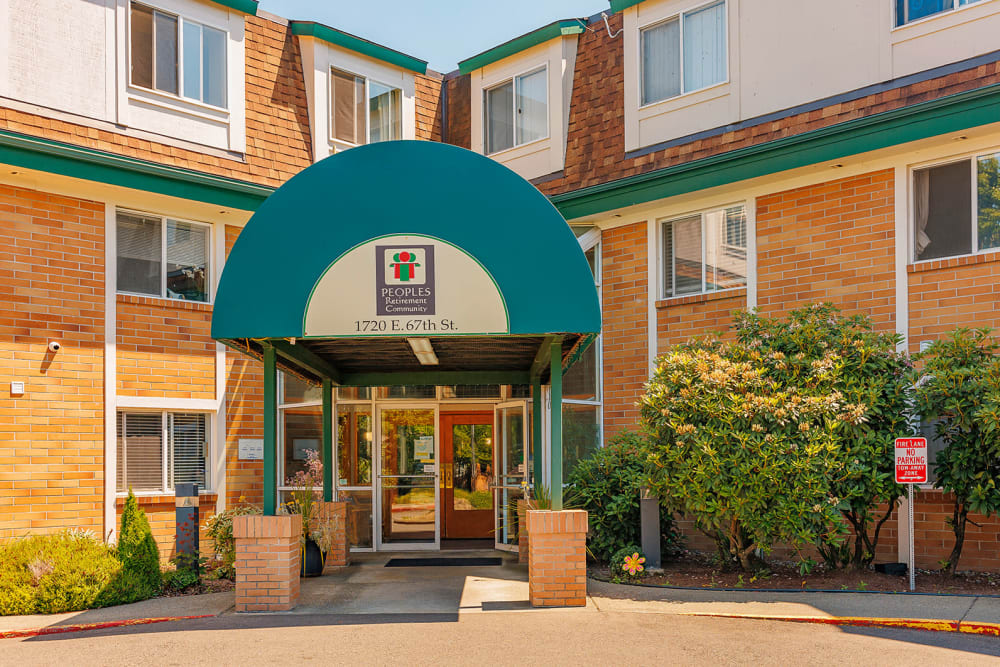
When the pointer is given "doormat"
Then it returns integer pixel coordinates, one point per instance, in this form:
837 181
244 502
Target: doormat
443 562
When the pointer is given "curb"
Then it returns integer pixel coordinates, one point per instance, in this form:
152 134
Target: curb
991 629
58 629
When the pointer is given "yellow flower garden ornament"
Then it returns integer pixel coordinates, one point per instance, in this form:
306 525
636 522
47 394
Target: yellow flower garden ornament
633 564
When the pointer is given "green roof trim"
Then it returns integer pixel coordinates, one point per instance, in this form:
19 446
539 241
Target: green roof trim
56 157
245 6
619 5
522 43
951 113
358 45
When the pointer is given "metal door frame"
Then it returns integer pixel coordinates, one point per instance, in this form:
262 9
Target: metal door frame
377 477
498 454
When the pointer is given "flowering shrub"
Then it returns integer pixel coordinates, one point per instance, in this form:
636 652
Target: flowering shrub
220 530
628 565
778 437
317 525
865 369
958 388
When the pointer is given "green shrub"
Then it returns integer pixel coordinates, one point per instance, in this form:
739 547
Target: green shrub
627 565
871 377
139 555
220 529
607 484
48 574
958 387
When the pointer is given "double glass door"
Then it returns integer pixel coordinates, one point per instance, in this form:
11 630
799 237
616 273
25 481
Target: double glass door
512 470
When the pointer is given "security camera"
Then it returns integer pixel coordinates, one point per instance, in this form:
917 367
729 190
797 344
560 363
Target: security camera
54 346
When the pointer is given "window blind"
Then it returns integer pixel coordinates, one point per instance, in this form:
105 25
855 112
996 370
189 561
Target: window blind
661 62
188 445
139 242
187 261
140 451
704 47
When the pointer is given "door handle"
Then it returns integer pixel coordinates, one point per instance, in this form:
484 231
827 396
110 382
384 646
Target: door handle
448 477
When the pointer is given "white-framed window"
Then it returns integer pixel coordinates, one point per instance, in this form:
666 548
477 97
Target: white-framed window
363 111
516 112
683 53
163 257
908 11
704 252
174 55
159 449
956 208
582 406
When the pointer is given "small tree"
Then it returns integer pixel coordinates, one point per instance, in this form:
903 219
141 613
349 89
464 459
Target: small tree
138 553
958 387
872 376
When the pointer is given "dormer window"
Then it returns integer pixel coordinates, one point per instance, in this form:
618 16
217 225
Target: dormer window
173 55
363 111
517 111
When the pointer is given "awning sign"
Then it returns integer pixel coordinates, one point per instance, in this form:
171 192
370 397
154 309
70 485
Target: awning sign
406 285
911 460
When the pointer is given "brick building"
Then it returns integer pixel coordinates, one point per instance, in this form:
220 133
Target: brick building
710 156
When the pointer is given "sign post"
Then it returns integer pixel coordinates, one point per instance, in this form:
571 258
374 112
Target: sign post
911 468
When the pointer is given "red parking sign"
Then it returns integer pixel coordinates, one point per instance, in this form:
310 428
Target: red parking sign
911 460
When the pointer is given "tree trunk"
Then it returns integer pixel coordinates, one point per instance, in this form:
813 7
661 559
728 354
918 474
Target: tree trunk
958 520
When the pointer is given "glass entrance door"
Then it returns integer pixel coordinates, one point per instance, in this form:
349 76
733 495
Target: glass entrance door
407 481
511 454
467 474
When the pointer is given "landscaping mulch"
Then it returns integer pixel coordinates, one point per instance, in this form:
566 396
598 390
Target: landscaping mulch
697 570
208 585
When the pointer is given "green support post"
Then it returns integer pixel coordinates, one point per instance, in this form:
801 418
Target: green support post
327 440
536 431
270 431
555 440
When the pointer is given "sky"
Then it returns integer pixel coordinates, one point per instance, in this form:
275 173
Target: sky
442 32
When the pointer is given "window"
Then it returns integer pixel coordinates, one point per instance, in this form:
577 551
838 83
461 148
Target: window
363 111
948 219
914 10
163 257
517 111
158 450
178 56
705 252
684 53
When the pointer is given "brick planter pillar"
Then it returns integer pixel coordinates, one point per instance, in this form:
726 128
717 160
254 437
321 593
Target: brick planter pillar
522 531
267 562
557 558
336 512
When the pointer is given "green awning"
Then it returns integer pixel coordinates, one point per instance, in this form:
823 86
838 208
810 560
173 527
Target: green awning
372 247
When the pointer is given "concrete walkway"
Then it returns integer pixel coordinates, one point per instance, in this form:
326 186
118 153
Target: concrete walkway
368 587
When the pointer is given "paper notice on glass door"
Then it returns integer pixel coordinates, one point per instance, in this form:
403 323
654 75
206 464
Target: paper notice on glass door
423 448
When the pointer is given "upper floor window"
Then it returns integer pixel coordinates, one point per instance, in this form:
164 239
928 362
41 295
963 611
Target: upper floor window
177 56
705 252
951 216
683 53
364 111
914 10
517 111
163 257
158 450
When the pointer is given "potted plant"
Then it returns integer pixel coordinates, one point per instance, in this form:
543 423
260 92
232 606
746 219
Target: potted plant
318 526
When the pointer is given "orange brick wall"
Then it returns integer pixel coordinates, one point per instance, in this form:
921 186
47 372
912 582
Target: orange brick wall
678 320
165 348
948 293
831 241
625 302
51 288
244 417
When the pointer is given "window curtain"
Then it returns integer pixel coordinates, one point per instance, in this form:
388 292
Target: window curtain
705 47
921 209
343 91
165 32
499 118
661 59
532 106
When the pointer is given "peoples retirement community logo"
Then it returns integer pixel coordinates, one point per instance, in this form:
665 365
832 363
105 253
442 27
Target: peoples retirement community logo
404 280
